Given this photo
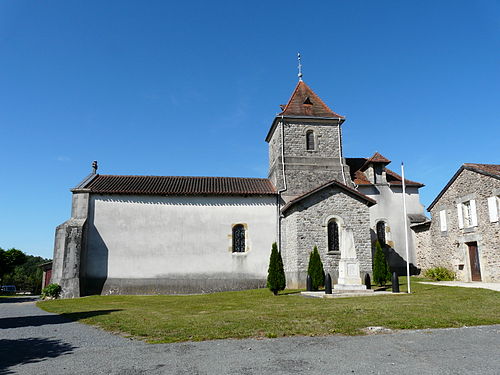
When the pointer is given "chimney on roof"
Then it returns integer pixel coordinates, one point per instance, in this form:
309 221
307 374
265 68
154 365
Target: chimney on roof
94 167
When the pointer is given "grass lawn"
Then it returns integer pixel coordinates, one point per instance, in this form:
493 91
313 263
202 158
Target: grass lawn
257 313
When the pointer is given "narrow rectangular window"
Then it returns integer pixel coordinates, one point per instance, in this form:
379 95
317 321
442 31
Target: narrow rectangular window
442 220
238 238
309 140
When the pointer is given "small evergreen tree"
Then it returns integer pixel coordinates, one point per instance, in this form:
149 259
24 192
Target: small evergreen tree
315 269
381 271
276 274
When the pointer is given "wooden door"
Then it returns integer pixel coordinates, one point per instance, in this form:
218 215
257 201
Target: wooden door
475 269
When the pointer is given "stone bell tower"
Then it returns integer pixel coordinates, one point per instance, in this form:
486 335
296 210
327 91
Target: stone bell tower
305 145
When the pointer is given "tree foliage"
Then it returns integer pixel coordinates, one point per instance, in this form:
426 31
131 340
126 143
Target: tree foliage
315 269
276 274
381 271
27 277
9 259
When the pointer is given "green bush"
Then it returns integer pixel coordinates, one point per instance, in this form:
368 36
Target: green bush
381 271
51 291
440 274
315 269
276 274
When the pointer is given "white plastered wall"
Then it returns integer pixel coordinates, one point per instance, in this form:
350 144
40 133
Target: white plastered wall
154 237
389 208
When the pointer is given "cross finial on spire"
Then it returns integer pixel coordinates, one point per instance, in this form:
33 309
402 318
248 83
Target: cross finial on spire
300 67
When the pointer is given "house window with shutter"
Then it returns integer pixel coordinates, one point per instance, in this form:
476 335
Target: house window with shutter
238 238
333 236
466 211
310 140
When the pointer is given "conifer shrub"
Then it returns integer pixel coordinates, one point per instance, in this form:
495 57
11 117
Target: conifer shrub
381 271
440 274
276 280
315 269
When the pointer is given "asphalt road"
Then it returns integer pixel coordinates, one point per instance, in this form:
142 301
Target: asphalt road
35 342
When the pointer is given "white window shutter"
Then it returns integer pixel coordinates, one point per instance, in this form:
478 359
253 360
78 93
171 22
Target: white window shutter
460 216
442 220
492 209
473 213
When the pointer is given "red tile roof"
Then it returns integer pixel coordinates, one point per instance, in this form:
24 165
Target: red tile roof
360 178
378 158
305 103
492 169
179 185
394 179
357 166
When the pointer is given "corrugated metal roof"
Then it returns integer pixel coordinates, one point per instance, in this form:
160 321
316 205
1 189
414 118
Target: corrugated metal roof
180 185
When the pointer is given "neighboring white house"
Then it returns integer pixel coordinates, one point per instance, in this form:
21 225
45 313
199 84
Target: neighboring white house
169 234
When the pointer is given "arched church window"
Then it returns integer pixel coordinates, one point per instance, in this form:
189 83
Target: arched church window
333 236
238 238
381 232
309 140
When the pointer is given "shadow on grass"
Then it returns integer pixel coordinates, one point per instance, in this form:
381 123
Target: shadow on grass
30 350
40 320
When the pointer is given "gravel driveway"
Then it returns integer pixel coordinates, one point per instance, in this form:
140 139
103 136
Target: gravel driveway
35 342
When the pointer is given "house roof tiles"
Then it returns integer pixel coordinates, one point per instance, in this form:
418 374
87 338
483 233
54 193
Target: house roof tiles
491 169
179 185
358 176
305 103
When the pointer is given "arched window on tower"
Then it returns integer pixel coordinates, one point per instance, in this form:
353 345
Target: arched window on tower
309 140
381 232
333 236
238 238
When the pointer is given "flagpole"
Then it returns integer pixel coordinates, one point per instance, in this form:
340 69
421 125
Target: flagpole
405 218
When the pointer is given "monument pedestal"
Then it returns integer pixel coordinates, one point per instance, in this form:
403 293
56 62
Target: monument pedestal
349 278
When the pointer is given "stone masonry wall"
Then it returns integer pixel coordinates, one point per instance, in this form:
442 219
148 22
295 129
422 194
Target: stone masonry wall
308 220
422 240
306 169
449 248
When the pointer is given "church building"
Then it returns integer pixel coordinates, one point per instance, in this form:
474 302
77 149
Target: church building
174 234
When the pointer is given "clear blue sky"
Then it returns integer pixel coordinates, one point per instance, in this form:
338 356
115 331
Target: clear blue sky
164 88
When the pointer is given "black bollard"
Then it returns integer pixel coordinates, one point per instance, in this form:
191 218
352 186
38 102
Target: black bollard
368 281
328 284
395 283
309 284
